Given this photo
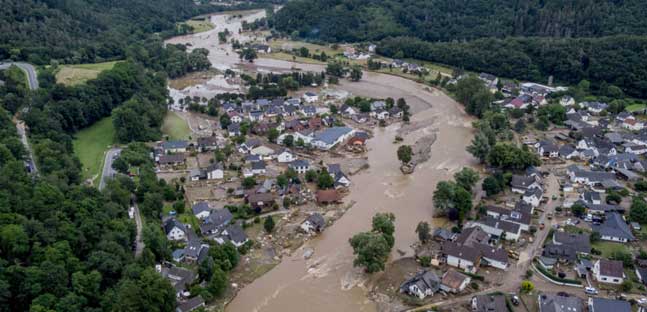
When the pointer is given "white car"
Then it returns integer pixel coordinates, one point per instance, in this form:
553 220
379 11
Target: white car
642 300
591 291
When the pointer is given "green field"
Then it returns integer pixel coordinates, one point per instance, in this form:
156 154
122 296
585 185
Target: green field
199 25
90 145
636 108
80 73
175 127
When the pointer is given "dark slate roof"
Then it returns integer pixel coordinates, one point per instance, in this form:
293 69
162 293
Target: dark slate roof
331 135
560 303
443 234
236 233
487 251
499 224
519 181
461 252
200 207
424 280
217 219
614 226
171 223
317 220
472 235
174 144
489 303
258 165
605 305
299 163
565 252
579 242
190 304
611 268
536 192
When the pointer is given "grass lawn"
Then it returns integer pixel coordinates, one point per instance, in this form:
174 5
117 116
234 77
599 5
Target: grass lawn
199 25
608 248
636 108
80 73
90 145
175 127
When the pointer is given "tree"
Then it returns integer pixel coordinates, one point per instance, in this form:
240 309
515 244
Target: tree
595 237
424 231
480 147
578 209
224 121
638 212
371 250
626 285
218 282
311 175
356 73
527 287
248 54
491 186
466 178
272 135
288 140
404 154
335 69
249 183
443 197
508 156
325 180
148 292
268 224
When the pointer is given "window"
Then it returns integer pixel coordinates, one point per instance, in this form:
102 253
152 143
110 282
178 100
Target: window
604 278
616 280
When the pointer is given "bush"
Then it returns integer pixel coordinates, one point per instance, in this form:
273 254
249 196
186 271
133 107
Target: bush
425 261
474 285
529 274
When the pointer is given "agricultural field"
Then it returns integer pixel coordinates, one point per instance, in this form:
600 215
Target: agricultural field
70 75
91 144
175 127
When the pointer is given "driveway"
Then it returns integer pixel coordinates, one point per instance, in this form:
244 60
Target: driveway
108 172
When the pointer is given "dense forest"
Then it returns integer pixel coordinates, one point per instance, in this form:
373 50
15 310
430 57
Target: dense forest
87 31
448 20
598 40
606 61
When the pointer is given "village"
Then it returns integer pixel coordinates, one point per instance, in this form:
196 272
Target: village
271 173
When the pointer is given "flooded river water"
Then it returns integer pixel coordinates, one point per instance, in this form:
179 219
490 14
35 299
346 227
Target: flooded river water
328 281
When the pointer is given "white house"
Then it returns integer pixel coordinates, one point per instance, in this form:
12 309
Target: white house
533 196
314 223
300 166
310 97
175 230
330 137
498 228
567 101
258 168
462 257
215 171
609 271
201 210
285 156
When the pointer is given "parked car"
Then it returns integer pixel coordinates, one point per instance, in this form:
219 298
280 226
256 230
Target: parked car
515 299
591 291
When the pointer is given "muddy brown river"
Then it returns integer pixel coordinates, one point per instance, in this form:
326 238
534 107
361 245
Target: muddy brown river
328 281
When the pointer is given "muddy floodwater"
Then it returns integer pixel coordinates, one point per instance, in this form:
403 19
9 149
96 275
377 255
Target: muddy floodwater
327 281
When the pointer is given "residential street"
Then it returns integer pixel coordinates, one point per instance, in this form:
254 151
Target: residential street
108 172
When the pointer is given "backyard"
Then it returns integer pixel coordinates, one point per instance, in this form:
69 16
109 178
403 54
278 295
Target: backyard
90 145
199 24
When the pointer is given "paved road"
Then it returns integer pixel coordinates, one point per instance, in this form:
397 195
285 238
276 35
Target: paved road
29 69
32 80
108 172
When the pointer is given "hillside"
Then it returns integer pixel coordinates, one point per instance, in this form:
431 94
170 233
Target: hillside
447 20
86 31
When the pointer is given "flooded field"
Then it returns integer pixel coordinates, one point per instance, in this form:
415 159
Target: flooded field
327 281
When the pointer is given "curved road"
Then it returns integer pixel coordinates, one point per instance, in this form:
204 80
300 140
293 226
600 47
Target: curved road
32 80
108 172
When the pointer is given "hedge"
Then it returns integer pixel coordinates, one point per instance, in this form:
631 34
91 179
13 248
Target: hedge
553 277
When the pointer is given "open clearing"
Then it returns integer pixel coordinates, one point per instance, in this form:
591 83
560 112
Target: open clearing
80 73
288 45
91 144
199 25
175 127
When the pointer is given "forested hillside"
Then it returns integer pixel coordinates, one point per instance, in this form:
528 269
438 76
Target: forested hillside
447 20
86 31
